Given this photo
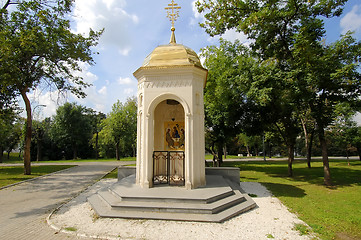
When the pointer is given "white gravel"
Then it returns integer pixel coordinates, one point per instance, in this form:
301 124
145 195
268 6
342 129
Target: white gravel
270 220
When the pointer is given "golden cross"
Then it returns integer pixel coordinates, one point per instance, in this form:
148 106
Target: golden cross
173 12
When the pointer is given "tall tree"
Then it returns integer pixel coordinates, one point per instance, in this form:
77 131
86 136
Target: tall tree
72 127
227 109
244 93
38 49
10 132
120 127
289 33
96 119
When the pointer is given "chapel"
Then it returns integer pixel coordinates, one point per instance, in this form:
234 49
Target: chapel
170 180
171 117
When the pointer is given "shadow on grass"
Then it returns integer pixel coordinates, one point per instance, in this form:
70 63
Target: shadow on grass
284 190
342 175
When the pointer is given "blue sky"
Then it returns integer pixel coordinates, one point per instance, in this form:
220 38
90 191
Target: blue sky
133 28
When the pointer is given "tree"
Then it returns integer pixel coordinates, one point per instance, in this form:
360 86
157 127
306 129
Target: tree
10 132
244 94
120 127
38 49
96 119
227 109
334 80
289 34
354 134
72 127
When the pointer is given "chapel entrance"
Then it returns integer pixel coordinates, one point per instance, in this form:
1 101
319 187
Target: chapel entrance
169 144
168 168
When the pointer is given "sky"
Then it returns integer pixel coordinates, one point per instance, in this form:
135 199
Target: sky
132 29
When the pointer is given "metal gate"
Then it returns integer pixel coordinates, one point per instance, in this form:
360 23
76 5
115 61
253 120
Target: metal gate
168 167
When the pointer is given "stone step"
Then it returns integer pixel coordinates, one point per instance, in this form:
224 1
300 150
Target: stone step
172 206
220 200
104 210
168 194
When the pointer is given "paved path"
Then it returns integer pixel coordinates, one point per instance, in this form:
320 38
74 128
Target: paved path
25 207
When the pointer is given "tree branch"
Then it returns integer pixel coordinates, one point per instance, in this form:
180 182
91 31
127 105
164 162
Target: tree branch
6 5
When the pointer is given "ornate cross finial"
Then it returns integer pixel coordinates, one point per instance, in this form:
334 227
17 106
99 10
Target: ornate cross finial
172 14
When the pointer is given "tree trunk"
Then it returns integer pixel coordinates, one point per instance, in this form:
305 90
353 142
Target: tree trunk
38 151
27 160
220 158
75 151
220 154
359 152
308 142
96 146
117 151
326 166
309 150
248 153
1 154
225 151
291 157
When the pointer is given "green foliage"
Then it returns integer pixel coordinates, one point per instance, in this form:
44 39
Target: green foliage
10 132
227 108
297 75
39 50
119 129
71 128
271 24
39 47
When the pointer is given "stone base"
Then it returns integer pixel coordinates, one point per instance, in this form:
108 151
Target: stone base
218 201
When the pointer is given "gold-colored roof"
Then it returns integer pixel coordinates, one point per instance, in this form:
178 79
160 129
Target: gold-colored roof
172 55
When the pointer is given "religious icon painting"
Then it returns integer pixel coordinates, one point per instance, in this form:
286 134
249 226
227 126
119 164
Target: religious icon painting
174 136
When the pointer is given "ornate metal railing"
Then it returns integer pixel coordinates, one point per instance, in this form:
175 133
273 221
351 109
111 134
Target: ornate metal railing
168 167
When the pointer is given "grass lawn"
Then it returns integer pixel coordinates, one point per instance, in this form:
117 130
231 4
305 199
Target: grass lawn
332 212
14 158
10 175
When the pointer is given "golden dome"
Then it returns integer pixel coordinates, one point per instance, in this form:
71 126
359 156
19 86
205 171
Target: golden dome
172 55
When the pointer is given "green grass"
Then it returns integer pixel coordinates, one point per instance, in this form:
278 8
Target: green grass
332 212
71 229
14 158
10 175
112 174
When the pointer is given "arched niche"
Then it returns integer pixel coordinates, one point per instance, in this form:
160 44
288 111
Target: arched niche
169 126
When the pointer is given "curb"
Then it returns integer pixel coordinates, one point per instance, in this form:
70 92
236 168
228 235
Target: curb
56 228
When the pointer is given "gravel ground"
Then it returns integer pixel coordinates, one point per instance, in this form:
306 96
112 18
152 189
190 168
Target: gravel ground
270 220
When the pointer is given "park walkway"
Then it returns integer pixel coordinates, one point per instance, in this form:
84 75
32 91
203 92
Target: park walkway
25 207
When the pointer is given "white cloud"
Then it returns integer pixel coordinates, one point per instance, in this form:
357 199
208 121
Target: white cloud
45 104
103 90
352 20
100 108
87 76
128 91
125 51
107 14
196 14
125 81
231 35
197 17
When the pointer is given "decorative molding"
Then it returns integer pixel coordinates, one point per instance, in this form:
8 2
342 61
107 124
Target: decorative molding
166 84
